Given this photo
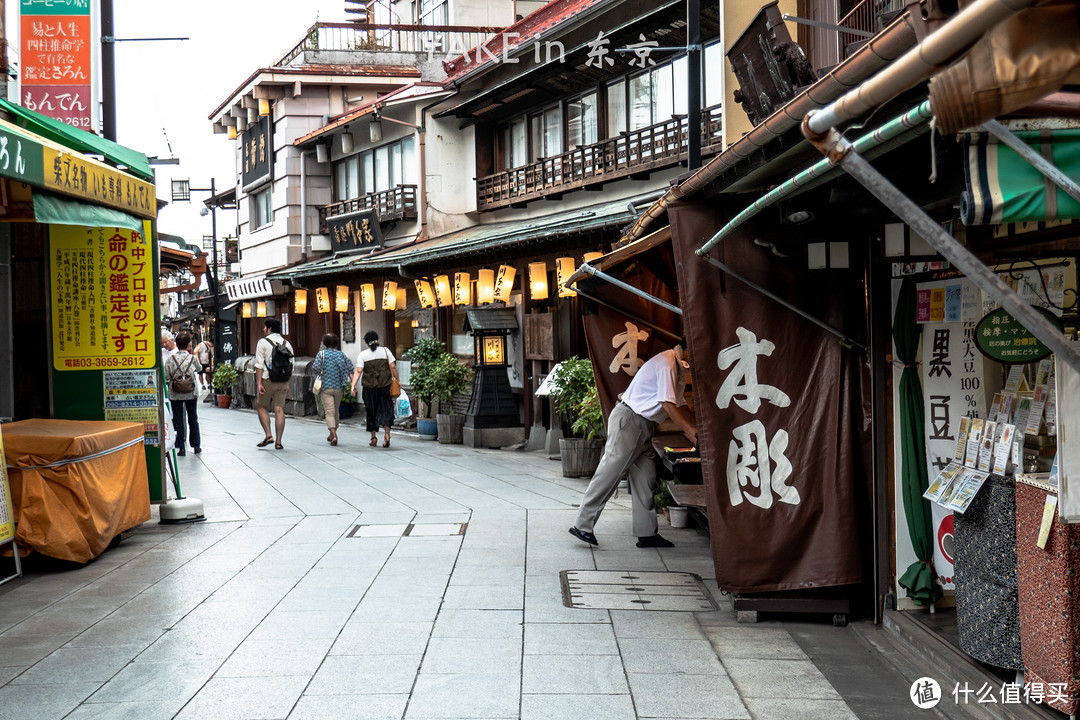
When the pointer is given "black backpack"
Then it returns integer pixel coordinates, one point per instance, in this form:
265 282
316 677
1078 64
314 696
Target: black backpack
281 358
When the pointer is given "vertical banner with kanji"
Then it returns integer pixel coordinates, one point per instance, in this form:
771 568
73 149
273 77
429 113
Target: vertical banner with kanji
56 60
781 413
102 283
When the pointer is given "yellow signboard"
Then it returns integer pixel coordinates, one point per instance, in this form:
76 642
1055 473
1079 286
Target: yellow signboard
7 515
79 176
102 282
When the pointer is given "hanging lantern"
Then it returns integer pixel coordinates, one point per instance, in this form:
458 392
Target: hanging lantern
443 295
462 289
538 283
246 310
402 299
389 295
367 297
260 309
300 301
504 282
322 299
589 257
425 294
564 268
341 298
485 286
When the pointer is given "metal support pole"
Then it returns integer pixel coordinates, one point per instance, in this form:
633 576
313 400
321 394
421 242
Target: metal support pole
587 268
217 271
693 81
1021 148
108 72
834 146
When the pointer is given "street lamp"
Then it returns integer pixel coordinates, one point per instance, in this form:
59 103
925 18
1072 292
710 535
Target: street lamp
181 192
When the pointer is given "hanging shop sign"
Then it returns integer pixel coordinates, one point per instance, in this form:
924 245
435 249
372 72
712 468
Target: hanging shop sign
102 282
258 149
1000 336
354 231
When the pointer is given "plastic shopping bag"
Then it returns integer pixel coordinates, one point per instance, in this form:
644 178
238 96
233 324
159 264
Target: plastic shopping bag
402 406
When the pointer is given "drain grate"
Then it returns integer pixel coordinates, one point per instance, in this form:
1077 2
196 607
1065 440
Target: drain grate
408 530
630 590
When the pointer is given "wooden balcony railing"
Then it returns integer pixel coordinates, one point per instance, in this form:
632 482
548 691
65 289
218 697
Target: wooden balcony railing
389 205
864 16
432 39
633 153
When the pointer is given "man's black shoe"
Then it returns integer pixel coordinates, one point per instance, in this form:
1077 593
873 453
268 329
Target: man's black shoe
584 536
181 452
656 541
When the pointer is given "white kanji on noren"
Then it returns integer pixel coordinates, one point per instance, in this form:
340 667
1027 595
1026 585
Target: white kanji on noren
626 358
742 380
749 467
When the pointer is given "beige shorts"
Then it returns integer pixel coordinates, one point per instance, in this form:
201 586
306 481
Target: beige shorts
273 394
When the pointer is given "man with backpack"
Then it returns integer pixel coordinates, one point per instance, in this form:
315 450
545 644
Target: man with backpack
181 369
273 368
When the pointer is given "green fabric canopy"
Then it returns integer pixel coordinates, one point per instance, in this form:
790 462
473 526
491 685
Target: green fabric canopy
919 579
60 132
52 209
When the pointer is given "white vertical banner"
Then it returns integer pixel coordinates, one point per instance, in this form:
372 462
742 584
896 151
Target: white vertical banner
952 377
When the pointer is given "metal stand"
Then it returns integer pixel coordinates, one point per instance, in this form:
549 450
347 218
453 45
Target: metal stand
18 564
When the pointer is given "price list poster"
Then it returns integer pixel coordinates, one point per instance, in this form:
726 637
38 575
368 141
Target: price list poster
56 50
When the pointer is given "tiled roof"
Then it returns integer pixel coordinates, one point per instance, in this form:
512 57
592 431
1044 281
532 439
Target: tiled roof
414 90
527 29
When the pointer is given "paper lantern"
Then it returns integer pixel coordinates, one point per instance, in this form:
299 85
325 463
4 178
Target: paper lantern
590 256
538 283
493 350
341 298
245 309
367 296
443 295
425 294
485 287
402 300
504 283
322 299
564 268
389 295
300 301
462 289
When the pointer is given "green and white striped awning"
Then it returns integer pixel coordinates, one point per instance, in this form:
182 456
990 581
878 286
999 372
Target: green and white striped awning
1002 187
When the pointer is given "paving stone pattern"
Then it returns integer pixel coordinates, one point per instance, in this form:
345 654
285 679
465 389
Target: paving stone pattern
304 596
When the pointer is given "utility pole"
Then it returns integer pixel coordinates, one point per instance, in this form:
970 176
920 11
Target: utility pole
693 79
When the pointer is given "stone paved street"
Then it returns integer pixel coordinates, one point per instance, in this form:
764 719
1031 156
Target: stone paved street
336 583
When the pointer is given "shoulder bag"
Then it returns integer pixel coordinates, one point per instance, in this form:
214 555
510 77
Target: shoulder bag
316 387
395 386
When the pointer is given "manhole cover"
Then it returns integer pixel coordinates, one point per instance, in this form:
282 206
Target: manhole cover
630 590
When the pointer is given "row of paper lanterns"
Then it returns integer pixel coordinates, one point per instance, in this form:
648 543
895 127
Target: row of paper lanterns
445 292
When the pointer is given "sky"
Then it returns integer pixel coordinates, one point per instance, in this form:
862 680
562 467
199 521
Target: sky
165 90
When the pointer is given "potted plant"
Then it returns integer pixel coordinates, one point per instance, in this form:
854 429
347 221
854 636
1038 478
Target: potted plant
226 380
573 391
449 378
348 404
422 356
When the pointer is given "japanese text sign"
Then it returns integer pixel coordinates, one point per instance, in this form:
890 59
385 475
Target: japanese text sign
354 231
56 68
102 284
1001 337
258 153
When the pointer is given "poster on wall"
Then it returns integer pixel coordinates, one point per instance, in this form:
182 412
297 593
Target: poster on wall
131 396
952 378
102 289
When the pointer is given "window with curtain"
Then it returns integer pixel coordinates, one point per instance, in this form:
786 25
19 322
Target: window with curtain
663 94
581 121
616 107
262 213
713 73
553 140
382 168
434 12
347 179
640 101
367 172
409 170
681 84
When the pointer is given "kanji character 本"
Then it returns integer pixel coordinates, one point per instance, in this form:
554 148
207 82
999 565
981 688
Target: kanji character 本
748 464
598 51
743 379
627 358
641 51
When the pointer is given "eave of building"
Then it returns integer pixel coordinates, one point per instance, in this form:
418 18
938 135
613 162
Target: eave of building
498 87
277 83
401 96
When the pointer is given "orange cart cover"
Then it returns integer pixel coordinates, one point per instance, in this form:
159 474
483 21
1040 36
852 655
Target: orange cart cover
73 511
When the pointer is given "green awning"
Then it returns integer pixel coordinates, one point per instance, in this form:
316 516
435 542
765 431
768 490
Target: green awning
131 160
56 210
1003 187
